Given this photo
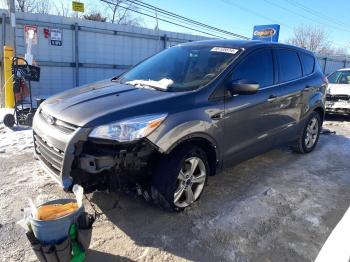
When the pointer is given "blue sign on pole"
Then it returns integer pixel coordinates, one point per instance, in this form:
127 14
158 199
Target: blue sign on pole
267 33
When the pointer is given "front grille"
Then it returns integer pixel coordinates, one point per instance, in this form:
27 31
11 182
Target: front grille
50 155
337 97
60 125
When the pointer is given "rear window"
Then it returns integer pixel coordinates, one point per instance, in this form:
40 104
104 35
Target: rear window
308 62
289 65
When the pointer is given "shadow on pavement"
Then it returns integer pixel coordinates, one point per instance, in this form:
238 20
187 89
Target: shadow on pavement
94 255
338 117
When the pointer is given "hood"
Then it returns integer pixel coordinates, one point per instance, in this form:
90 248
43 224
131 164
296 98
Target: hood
339 89
106 101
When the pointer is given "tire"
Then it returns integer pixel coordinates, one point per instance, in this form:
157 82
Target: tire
29 119
9 120
167 179
301 146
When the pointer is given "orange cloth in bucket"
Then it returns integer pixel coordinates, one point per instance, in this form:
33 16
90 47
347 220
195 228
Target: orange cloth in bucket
54 211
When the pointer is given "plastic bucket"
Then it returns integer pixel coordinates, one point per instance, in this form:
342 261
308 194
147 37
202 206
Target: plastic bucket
53 231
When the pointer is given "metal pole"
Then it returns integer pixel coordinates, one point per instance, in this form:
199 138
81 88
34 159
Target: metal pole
325 65
345 62
76 48
3 30
165 41
12 9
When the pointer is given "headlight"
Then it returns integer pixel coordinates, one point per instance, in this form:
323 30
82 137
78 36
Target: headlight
129 129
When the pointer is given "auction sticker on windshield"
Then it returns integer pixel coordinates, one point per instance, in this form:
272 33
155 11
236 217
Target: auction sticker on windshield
224 50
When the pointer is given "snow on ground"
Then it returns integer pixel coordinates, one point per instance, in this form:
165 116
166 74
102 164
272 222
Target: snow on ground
11 143
279 206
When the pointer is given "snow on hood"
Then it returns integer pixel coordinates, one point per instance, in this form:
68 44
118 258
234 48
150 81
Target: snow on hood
339 89
162 84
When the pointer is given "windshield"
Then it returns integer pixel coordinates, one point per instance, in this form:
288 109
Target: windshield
180 68
339 77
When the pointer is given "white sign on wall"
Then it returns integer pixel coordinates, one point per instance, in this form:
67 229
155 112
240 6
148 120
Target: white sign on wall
31 34
56 36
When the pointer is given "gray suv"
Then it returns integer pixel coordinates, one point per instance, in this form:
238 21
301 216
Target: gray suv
181 116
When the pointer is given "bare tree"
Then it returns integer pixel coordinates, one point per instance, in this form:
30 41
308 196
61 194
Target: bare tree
95 16
62 9
43 7
314 39
25 5
121 12
118 11
33 6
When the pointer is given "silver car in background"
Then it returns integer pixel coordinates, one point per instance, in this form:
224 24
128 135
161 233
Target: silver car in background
338 92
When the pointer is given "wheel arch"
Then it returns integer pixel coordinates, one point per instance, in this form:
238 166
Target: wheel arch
206 143
320 110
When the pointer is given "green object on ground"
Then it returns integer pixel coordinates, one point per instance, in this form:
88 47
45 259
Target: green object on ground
78 252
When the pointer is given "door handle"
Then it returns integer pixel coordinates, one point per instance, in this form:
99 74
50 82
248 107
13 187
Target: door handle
307 87
271 98
217 116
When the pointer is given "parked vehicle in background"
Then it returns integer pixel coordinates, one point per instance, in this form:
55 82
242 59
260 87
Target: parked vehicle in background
338 92
181 116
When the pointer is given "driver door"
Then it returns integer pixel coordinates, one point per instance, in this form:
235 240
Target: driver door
251 120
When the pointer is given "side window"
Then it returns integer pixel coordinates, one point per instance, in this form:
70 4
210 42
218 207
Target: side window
257 67
308 62
344 77
339 77
289 65
333 78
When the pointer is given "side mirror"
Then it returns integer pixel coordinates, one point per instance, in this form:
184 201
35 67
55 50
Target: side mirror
244 87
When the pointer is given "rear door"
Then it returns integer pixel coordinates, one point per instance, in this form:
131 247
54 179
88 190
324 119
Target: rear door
291 87
250 120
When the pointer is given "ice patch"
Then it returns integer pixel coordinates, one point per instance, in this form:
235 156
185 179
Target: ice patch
313 220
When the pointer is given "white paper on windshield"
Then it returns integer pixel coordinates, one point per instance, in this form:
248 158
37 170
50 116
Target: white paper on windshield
162 84
224 50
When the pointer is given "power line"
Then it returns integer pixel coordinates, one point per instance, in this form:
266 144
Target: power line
181 19
300 15
256 13
160 10
317 13
171 18
135 11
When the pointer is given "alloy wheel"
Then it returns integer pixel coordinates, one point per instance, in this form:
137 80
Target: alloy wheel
312 133
190 182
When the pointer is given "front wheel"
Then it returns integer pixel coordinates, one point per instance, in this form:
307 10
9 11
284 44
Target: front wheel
180 177
310 134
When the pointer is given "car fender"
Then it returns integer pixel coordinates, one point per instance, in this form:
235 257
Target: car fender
315 101
167 139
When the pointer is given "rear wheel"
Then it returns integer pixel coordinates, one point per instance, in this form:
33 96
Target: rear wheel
9 120
310 134
180 177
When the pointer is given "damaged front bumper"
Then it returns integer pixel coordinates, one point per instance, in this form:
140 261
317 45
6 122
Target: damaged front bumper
71 157
338 103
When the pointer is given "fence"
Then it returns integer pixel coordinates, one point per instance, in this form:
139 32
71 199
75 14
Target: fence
90 50
331 64
93 51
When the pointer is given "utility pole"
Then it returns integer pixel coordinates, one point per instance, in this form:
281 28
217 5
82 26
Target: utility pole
12 11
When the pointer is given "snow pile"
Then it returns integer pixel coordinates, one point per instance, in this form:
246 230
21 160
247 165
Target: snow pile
3 112
15 141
